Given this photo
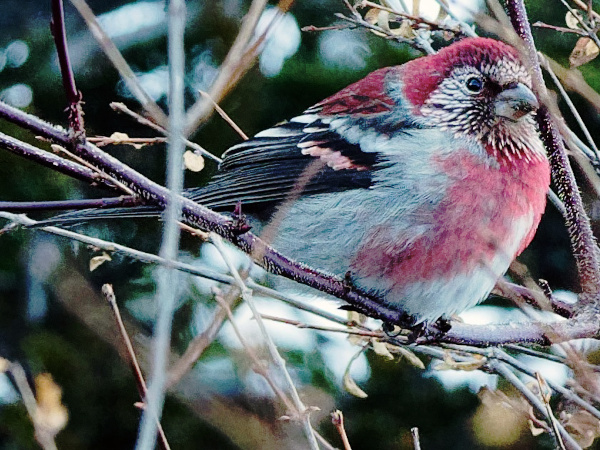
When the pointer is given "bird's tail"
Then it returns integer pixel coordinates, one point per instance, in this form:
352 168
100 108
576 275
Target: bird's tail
72 218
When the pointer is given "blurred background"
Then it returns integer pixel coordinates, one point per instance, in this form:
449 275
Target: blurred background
53 319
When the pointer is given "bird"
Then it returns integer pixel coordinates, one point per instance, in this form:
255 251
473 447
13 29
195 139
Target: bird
420 183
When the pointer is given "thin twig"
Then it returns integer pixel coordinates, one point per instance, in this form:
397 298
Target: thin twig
75 111
582 238
109 295
259 365
337 418
200 343
46 440
534 401
298 324
416 440
460 333
464 26
110 202
567 99
108 178
117 106
166 292
434 26
225 116
559 29
590 33
546 396
52 161
302 411
223 83
102 141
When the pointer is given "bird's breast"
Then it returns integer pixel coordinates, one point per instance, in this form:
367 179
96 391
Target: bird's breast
488 215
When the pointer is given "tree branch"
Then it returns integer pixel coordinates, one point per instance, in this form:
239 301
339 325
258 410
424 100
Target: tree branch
74 110
578 225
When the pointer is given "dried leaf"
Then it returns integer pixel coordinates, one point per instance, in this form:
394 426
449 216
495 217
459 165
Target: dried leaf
356 339
450 364
348 382
411 357
381 349
383 20
351 386
585 51
584 427
357 317
535 431
51 414
405 30
119 137
572 20
192 161
372 15
500 419
97 261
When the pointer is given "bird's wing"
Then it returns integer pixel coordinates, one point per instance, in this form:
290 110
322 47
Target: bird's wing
310 154
309 157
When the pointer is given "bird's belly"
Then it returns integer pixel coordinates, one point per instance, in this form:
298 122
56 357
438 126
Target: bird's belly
443 272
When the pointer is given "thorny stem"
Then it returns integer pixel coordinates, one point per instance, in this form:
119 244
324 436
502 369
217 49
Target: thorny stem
59 33
578 225
50 160
460 333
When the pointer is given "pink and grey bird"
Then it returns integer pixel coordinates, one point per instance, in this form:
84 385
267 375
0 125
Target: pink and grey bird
422 181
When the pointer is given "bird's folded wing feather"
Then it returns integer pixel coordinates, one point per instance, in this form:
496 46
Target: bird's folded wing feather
307 154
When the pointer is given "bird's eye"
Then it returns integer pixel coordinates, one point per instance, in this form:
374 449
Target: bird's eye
474 84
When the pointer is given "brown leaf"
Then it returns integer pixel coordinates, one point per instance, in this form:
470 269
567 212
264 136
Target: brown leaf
585 51
372 15
411 357
381 349
97 261
580 424
500 419
450 364
351 386
51 414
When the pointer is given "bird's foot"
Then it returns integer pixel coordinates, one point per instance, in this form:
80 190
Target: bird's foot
429 332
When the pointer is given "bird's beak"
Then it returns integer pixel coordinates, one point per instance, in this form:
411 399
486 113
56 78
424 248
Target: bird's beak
515 102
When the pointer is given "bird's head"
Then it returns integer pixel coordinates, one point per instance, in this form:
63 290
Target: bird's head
476 88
